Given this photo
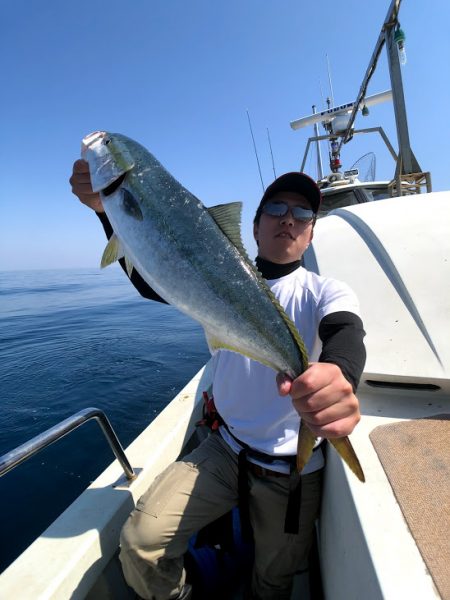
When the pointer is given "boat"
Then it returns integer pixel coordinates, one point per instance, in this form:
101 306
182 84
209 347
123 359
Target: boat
384 539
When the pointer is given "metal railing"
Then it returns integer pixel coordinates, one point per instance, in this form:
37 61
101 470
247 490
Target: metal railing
12 459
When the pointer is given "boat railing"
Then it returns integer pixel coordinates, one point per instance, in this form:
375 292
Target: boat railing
15 457
410 184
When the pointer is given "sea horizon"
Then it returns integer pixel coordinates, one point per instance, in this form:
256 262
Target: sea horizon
72 338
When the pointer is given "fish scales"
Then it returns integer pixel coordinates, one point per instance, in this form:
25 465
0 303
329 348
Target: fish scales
193 258
174 248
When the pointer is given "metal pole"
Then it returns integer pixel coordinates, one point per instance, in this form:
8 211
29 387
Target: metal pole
391 17
319 155
329 80
408 162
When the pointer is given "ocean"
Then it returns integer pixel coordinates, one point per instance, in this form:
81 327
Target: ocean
72 339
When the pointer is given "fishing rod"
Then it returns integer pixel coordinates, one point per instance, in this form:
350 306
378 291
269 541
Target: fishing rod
271 154
254 147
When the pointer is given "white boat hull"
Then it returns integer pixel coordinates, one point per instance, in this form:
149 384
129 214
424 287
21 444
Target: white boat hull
396 255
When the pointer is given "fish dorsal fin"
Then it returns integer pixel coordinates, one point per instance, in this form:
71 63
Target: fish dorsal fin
228 219
112 252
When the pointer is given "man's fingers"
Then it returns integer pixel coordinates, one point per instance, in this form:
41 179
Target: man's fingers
341 409
284 383
80 166
80 181
336 429
326 396
81 178
85 189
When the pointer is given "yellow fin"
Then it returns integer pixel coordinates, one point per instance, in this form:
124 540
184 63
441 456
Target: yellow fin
112 252
216 344
305 446
293 330
129 266
228 219
345 449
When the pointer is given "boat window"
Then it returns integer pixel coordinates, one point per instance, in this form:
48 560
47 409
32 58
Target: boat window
348 197
377 193
340 199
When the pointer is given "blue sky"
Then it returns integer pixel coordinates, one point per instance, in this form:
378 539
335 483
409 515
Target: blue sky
178 76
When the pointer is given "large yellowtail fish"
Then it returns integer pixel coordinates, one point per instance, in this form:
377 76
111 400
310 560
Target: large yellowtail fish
193 257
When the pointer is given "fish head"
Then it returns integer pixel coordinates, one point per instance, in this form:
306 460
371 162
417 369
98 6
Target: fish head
108 158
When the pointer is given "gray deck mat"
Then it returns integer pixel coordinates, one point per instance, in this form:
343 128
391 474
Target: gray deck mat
416 458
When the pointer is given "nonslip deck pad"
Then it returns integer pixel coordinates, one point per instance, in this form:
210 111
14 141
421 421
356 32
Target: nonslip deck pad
416 458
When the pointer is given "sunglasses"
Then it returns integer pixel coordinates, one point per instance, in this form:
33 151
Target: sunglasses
280 209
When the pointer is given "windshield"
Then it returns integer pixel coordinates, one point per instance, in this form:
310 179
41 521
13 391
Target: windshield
377 193
351 197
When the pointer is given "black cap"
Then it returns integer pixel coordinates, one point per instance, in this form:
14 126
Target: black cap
297 182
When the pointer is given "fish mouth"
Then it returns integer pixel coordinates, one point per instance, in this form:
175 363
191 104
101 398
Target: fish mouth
93 138
109 160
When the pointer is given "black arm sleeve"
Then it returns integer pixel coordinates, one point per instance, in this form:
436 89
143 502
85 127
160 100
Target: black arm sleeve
142 286
342 335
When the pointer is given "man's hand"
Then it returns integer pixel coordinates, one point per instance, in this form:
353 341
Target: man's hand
324 399
82 187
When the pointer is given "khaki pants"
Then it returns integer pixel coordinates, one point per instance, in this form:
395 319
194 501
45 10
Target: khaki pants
191 493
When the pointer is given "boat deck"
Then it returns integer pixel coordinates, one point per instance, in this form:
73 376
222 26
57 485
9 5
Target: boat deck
370 551
416 460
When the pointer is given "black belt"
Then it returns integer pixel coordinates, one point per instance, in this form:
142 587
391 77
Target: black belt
292 519
263 471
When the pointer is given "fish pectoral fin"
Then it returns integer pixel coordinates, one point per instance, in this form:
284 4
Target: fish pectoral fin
345 450
305 446
228 219
112 252
129 266
131 206
215 343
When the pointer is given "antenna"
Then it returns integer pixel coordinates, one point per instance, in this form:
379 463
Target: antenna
331 85
321 93
271 154
319 154
254 147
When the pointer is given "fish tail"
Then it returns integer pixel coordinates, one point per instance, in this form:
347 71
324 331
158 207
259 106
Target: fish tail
305 446
345 449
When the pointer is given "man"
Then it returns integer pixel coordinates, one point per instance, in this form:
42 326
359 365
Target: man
258 437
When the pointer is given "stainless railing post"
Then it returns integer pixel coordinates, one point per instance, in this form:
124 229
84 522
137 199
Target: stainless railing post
15 457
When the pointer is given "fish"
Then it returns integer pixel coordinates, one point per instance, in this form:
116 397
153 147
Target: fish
194 258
